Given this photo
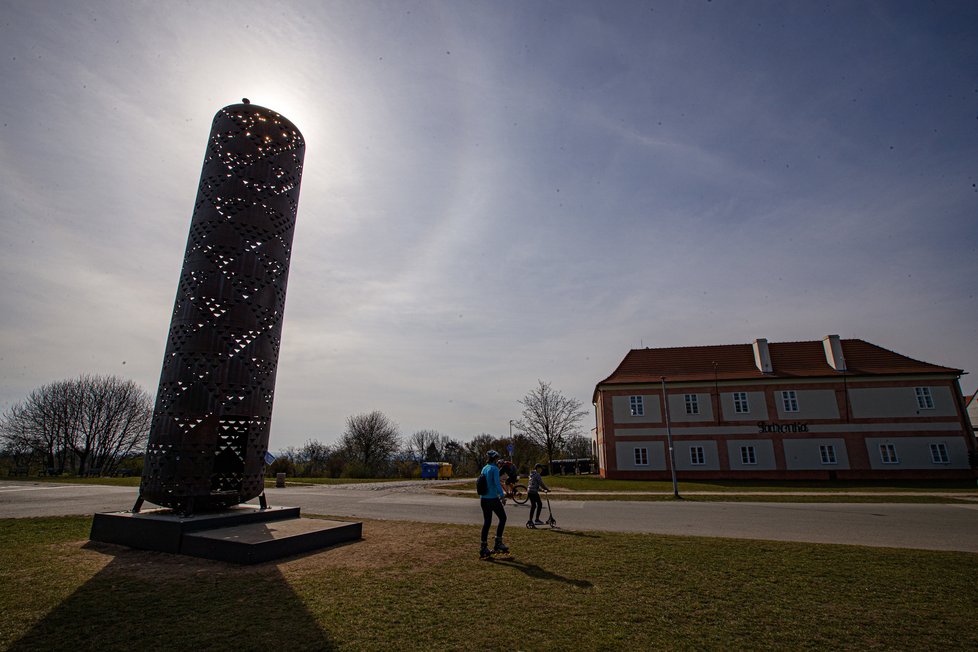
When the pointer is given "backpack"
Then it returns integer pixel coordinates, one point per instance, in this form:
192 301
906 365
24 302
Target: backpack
482 485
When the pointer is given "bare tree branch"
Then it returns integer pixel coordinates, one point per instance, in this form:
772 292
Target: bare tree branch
549 418
425 444
371 441
91 422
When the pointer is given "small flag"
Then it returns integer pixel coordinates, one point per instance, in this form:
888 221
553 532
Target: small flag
269 458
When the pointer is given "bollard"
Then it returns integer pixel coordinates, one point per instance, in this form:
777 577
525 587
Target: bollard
279 480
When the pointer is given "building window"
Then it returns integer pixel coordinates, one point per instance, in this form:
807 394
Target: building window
636 406
827 452
789 399
924 400
888 454
692 404
747 455
641 457
696 455
741 406
938 454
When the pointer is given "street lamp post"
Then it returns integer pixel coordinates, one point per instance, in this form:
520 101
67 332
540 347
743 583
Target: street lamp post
672 452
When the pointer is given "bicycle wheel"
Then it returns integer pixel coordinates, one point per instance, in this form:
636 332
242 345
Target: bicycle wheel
520 495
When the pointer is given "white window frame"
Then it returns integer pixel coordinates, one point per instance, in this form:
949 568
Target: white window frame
888 454
641 456
741 404
697 455
827 453
692 403
636 406
789 400
925 400
748 455
938 453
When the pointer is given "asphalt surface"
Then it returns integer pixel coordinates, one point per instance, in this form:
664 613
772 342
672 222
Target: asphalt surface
895 525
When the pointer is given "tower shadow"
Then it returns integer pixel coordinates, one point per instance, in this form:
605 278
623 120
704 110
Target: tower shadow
179 603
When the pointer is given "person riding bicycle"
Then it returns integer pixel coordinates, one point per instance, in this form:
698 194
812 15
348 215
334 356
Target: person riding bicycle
508 470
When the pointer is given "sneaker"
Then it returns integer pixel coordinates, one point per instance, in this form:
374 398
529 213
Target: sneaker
538 522
530 525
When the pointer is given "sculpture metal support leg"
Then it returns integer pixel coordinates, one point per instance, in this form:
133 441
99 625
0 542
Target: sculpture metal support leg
262 501
139 503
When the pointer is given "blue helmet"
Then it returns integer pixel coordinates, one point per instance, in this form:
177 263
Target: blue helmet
492 455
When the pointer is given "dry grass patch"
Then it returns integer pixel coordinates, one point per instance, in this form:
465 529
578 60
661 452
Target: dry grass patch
421 586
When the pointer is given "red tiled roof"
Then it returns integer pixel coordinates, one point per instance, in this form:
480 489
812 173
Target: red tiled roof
788 360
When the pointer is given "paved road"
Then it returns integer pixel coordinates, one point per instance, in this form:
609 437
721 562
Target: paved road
922 526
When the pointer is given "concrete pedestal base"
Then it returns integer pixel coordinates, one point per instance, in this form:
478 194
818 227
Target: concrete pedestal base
243 534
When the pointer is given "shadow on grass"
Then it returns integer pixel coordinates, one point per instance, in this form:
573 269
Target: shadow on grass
572 533
157 601
536 572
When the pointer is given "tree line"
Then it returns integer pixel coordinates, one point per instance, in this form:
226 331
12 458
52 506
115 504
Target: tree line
371 446
87 425
94 424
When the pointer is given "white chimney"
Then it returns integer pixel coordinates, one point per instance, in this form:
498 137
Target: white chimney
833 352
762 357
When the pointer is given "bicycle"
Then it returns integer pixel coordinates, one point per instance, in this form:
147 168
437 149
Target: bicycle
517 494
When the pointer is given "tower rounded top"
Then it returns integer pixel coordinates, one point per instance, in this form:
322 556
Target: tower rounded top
246 112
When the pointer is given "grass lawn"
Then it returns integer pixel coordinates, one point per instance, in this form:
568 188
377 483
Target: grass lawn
420 586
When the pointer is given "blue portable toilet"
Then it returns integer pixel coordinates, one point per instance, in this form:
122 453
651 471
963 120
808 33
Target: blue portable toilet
429 470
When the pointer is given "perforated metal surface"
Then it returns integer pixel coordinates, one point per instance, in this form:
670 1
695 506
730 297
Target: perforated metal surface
210 427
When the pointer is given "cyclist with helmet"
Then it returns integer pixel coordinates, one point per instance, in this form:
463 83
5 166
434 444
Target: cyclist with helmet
511 476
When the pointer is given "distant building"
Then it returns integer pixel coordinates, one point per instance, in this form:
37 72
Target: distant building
829 409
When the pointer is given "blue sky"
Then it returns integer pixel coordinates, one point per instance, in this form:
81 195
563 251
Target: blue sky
496 192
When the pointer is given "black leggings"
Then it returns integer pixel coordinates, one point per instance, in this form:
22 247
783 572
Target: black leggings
490 505
535 502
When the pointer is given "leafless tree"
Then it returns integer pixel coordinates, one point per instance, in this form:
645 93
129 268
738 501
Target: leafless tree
475 451
313 459
115 419
426 445
46 421
578 447
91 422
370 442
453 452
526 452
549 418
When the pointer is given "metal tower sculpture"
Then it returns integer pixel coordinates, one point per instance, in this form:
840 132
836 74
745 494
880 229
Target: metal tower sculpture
209 435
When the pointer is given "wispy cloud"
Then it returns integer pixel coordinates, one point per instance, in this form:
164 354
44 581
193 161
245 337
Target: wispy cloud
495 193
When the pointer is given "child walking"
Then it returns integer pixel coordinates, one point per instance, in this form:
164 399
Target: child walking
536 484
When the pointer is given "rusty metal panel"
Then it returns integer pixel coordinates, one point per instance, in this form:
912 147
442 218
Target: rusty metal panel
209 435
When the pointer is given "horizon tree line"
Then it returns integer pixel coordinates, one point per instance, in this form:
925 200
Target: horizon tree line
94 424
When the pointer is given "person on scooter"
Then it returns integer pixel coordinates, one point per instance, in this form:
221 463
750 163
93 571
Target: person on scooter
536 484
